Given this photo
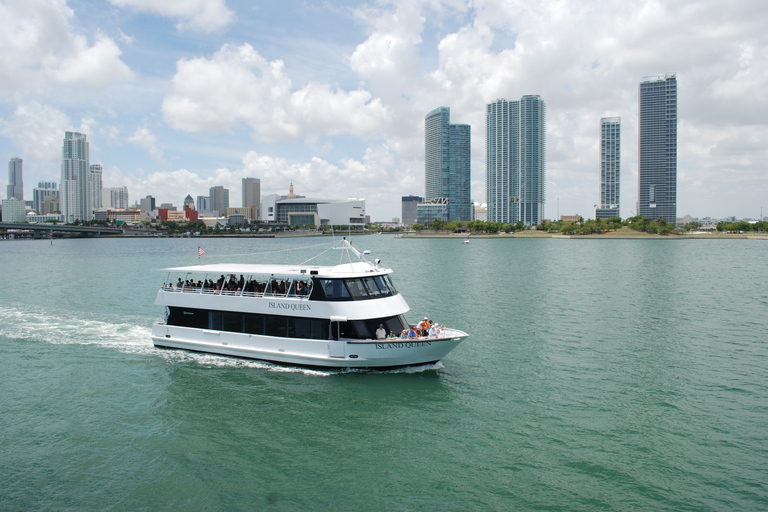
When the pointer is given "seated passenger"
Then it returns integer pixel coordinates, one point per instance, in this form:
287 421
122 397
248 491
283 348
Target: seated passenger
412 333
391 335
433 331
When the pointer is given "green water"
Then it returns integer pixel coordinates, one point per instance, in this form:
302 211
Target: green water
598 375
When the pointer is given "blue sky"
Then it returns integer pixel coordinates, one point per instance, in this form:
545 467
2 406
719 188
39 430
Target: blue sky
177 96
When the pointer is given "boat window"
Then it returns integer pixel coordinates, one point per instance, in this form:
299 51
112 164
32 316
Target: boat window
232 322
276 326
392 288
382 284
250 323
185 317
356 288
371 286
334 289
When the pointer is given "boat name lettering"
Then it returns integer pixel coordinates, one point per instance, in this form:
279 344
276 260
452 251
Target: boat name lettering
403 344
295 307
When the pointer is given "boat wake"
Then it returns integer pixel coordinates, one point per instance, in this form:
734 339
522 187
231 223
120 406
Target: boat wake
45 327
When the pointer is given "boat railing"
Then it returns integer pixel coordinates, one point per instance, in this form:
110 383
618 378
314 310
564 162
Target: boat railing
234 293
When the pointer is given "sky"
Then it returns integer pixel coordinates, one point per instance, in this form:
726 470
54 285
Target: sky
177 96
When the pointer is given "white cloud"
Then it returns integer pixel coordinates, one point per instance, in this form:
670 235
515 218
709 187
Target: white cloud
37 130
238 86
92 66
202 15
147 140
39 48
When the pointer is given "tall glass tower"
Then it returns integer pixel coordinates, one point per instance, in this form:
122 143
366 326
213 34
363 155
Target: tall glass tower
657 148
610 167
252 195
447 164
75 198
516 160
15 186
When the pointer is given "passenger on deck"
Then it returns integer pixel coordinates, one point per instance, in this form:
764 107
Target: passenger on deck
412 333
404 334
424 327
391 335
441 331
381 333
433 331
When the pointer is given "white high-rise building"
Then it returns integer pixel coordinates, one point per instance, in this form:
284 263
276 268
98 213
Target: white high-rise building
43 188
15 179
76 198
117 197
96 174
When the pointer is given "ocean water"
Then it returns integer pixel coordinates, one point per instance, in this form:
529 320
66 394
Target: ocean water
598 375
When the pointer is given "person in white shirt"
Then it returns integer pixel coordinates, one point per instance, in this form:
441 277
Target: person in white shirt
381 333
433 331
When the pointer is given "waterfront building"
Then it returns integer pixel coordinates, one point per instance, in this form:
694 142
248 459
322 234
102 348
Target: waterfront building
302 211
14 210
15 186
447 158
189 203
409 204
41 218
430 211
76 193
147 204
96 186
203 203
252 195
49 204
610 168
43 189
657 148
219 199
516 160
117 197
248 213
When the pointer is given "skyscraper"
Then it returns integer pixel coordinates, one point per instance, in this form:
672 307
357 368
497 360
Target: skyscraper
96 174
252 194
15 186
610 167
516 160
657 148
43 188
76 198
117 196
219 199
447 170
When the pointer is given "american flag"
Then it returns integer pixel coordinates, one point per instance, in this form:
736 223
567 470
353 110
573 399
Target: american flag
200 251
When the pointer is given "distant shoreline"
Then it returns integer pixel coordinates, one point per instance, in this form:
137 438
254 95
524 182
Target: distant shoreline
607 236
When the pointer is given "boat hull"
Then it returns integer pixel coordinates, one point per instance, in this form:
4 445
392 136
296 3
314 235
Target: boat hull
309 352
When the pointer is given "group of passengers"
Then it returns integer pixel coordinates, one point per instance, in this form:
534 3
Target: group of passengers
234 286
424 329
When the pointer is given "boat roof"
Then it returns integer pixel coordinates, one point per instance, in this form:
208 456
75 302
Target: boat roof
356 269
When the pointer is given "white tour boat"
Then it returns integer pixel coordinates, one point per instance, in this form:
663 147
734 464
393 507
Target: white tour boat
320 316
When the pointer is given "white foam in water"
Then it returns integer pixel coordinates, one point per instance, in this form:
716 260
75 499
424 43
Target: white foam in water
135 339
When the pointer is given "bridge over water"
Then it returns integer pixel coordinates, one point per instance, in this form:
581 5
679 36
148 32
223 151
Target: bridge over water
45 230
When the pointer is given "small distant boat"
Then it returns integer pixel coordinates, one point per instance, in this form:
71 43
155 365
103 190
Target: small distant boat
466 240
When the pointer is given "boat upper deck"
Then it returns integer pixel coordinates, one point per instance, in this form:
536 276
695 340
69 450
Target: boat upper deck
343 270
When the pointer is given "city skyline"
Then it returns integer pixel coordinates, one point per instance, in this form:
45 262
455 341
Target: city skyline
333 96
